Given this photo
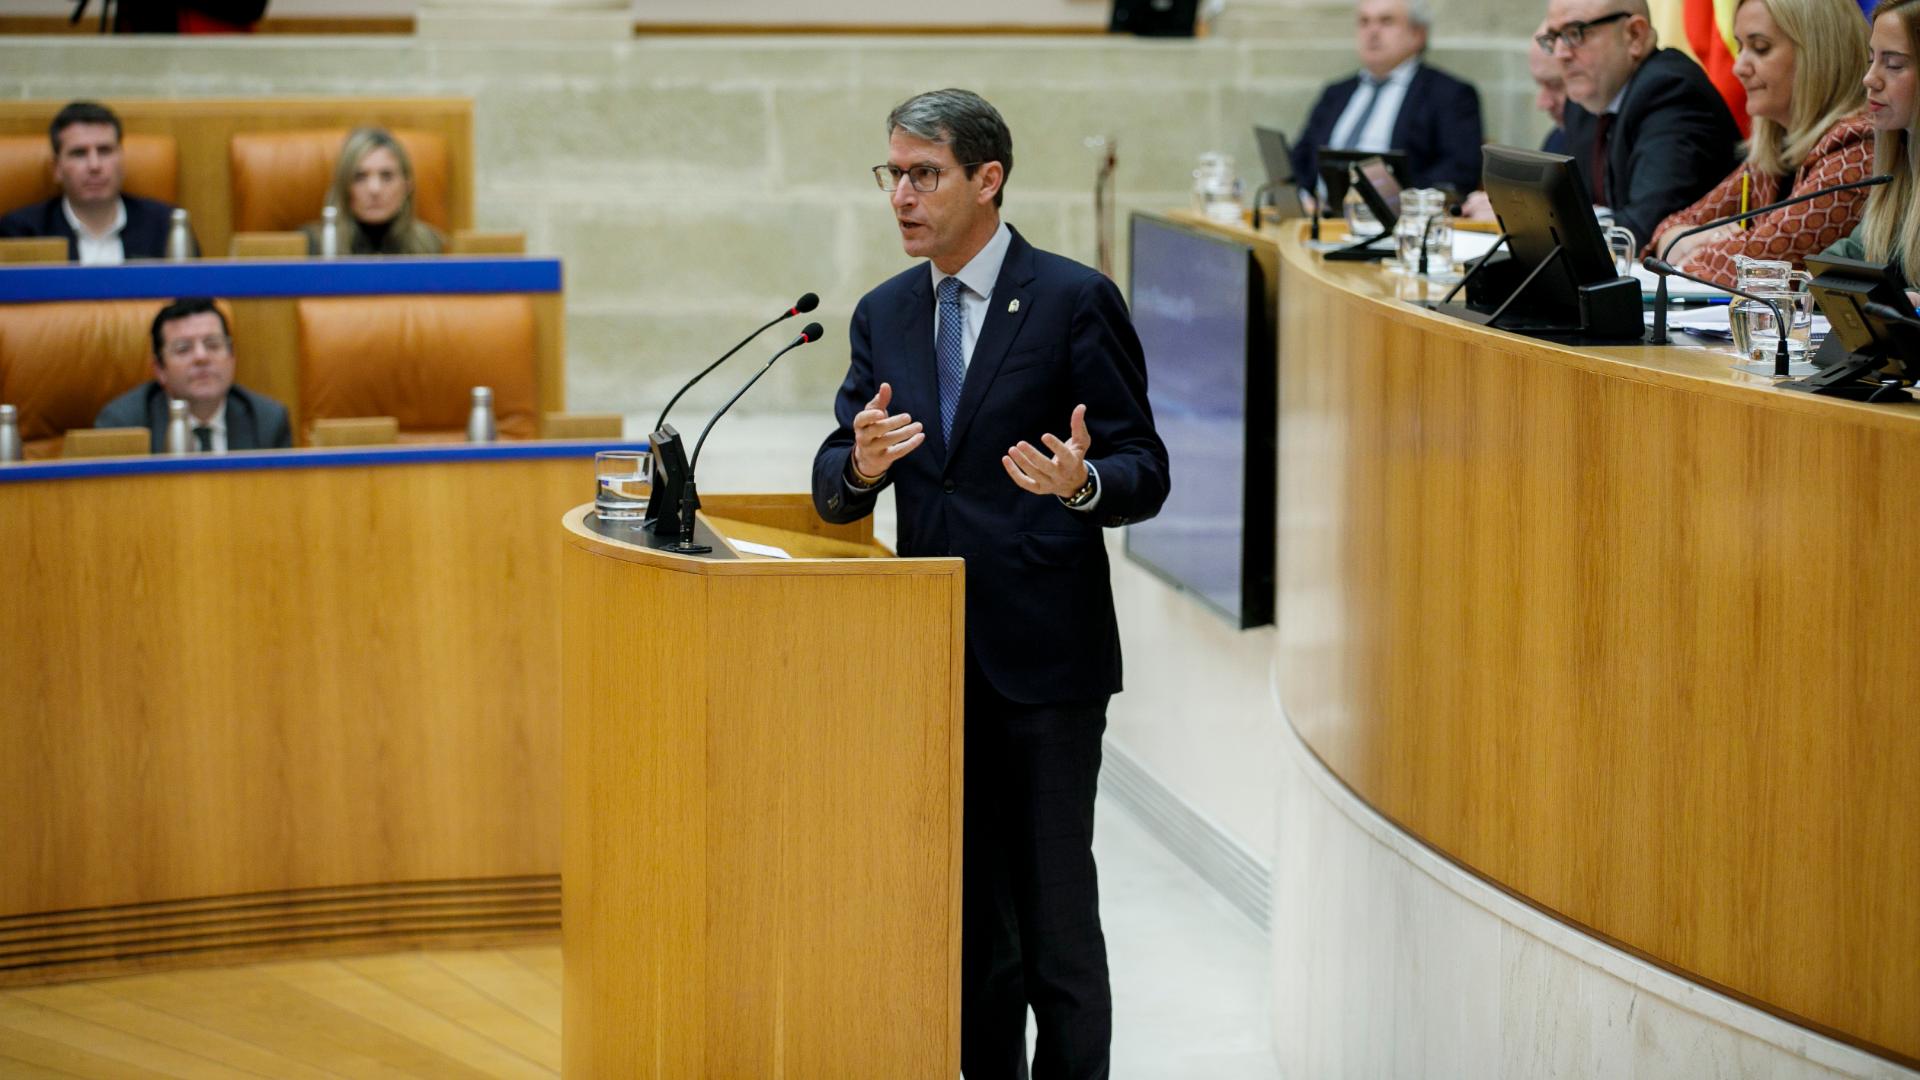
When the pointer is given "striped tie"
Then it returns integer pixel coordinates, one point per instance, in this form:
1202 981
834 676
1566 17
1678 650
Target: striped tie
950 353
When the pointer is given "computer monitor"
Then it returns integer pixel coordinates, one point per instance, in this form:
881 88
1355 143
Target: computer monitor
1333 171
1559 280
1844 287
1866 356
1276 153
1379 190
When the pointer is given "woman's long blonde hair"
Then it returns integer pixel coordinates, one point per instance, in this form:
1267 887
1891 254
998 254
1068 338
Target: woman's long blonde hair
1829 37
409 235
1889 228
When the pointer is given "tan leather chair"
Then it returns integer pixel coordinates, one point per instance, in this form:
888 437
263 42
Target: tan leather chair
280 178
60 363
26 169
417 359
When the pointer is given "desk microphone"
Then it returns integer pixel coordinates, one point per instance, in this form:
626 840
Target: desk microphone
800 307
690 499
1658 335
1781 365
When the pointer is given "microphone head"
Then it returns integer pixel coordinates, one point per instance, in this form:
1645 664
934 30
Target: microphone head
1658 265
808 302
812 331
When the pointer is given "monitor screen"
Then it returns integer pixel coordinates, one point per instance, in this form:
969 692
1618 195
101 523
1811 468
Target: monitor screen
1198 305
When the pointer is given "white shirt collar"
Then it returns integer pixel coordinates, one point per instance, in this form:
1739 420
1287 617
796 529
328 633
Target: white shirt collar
984 268
1402 74
80 230
218 421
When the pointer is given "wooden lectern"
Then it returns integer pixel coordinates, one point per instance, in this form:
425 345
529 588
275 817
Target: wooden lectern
762 802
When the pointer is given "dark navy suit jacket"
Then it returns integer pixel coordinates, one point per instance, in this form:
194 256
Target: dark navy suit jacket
1438 128
145 236
254 421
1040 620
1673 140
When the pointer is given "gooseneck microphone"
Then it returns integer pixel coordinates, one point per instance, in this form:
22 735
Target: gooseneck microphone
1658 335
1781 364
800 307
690 499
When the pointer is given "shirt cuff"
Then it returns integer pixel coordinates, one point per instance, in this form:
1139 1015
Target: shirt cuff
1093 474
854 483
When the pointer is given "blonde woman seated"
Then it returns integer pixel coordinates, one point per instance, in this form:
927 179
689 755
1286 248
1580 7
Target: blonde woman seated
373 187
1890 231
1798 60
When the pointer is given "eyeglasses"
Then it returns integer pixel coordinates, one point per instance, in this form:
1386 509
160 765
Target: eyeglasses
924 178
1575 33
181 348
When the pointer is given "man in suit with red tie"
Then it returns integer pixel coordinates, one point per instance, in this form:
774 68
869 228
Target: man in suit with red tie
1396 101
1646 128
964 369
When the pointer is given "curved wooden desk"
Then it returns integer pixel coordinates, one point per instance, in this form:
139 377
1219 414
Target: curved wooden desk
282 702
762 869
1627 636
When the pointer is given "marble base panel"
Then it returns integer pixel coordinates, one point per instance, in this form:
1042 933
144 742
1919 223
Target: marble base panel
1391 961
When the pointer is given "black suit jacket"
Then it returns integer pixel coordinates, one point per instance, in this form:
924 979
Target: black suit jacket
1438 128
254 421
1040 620
1672 141
145 236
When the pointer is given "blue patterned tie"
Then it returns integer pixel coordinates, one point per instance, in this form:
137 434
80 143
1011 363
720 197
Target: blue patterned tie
949 352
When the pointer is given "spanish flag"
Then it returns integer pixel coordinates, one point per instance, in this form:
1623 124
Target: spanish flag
1703 29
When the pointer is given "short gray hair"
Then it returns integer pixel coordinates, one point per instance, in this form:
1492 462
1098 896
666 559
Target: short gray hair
1420 13
963 120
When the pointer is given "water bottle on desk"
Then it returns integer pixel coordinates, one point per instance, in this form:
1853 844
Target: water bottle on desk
480 418
9 433
329 232
179 237
179 436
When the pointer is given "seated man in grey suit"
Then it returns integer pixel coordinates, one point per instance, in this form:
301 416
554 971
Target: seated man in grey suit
193 361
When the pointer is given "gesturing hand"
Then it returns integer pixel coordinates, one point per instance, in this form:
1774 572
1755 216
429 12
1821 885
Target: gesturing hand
1061 474
880 439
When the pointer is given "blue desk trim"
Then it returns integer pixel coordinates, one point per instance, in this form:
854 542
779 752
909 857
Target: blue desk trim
346 457
251 279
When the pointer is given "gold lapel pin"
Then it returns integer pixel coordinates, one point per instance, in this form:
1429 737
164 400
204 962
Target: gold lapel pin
1013 306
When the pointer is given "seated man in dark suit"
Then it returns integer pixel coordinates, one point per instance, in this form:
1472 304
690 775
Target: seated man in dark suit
1649 132
101 225
1397 102
1550 97
193 361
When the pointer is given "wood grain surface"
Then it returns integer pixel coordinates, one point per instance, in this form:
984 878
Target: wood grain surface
224 683
761 873
1622 631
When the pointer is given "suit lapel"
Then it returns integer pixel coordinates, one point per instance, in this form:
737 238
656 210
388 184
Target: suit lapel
918 389
157 416
1404 120
1006 310
242 425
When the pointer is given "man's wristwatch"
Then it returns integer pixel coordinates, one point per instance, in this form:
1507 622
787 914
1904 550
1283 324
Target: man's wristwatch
1084 495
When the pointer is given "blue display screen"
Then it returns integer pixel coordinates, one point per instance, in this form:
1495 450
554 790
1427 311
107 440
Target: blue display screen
1190 294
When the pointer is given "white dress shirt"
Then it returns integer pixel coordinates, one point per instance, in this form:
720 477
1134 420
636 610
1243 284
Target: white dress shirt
1377 136
218 422
104 249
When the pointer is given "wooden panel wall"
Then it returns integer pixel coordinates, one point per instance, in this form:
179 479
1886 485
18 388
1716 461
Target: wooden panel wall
1628 637
202 129
216 684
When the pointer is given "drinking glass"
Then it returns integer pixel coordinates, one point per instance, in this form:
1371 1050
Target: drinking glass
623 480
1756 329
1621 244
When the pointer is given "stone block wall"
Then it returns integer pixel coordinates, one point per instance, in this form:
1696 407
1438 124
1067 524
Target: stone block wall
695 185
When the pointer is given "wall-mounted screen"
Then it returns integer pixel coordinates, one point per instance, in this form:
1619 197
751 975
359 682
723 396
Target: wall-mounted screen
1199 306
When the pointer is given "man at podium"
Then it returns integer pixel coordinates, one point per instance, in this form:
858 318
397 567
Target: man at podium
965 371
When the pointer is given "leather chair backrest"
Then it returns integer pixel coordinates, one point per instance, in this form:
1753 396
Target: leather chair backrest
60 363
417 359
26 169
280 178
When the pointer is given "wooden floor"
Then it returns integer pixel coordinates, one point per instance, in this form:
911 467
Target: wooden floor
477 1013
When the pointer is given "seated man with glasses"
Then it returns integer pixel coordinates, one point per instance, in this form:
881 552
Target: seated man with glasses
193 361
1648 130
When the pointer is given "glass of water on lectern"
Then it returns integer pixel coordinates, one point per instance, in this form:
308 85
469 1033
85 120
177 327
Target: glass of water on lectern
623 479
